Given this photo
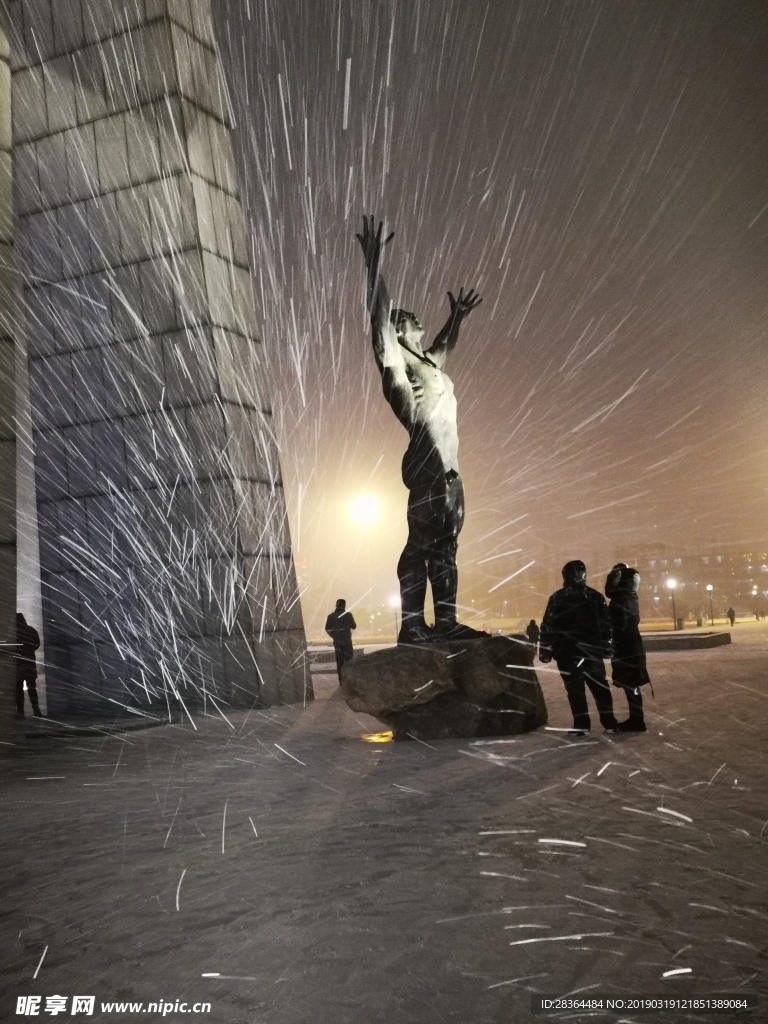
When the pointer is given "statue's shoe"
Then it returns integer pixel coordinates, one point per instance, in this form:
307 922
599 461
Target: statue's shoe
456 631
420 634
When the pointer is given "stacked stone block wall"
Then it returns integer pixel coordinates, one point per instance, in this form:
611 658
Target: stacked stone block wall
165 554
7 399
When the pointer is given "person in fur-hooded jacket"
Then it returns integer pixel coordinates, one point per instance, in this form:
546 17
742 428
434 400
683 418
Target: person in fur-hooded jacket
628 665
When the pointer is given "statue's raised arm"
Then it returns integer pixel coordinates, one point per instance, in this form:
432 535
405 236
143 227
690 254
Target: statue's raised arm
448 335
386 348
373 247
377 296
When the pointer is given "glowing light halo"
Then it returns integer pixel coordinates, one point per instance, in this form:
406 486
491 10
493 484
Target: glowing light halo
365 509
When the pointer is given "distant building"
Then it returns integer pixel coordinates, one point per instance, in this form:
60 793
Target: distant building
737 572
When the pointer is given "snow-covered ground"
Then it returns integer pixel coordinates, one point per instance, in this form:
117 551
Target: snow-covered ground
284 870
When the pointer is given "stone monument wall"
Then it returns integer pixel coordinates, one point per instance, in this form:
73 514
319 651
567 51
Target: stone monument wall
166 565
7 400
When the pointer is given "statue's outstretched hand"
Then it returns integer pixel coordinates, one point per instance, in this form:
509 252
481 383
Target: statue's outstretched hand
371 241
464 304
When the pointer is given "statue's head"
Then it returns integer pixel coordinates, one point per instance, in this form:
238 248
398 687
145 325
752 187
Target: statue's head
574 573
407 327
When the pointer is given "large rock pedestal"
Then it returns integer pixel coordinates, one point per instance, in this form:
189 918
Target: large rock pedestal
460 689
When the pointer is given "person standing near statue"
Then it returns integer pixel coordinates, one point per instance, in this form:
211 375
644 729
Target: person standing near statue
628 665
533 633
576 632
421 396
339 626
27 642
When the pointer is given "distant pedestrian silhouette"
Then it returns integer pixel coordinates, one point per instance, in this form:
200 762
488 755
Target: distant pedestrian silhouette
731 616
576 632
628 665
339 626
533 633
26 665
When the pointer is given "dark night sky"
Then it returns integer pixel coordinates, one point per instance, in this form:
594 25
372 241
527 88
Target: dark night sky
598 172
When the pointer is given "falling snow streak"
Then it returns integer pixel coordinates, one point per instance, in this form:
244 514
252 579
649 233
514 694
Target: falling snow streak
178 887
40 963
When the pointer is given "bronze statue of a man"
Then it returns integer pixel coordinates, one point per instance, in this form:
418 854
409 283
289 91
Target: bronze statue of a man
422 398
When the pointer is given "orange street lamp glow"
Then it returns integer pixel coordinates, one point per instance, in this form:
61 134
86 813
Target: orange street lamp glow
365 509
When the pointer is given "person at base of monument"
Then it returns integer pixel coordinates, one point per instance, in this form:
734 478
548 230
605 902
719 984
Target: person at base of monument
576 632
339 626
28 641
628 665
421 396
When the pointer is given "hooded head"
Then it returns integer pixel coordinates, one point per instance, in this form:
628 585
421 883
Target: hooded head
341 604
630 578
575 573
613 582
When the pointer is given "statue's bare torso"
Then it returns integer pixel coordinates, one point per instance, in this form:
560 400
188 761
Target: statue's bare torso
431 413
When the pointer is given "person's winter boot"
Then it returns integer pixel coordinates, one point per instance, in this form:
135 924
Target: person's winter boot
581 725
633 725
636 720
609 723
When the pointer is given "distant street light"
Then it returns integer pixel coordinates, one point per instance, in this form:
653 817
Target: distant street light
672 584
710 588
394 604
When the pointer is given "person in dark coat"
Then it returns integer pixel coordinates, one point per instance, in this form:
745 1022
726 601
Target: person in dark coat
732 616
339 626
28 641
576 632
533 633
628 666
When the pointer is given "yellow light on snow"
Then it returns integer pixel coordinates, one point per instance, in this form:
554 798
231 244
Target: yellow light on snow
377 737
365 509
